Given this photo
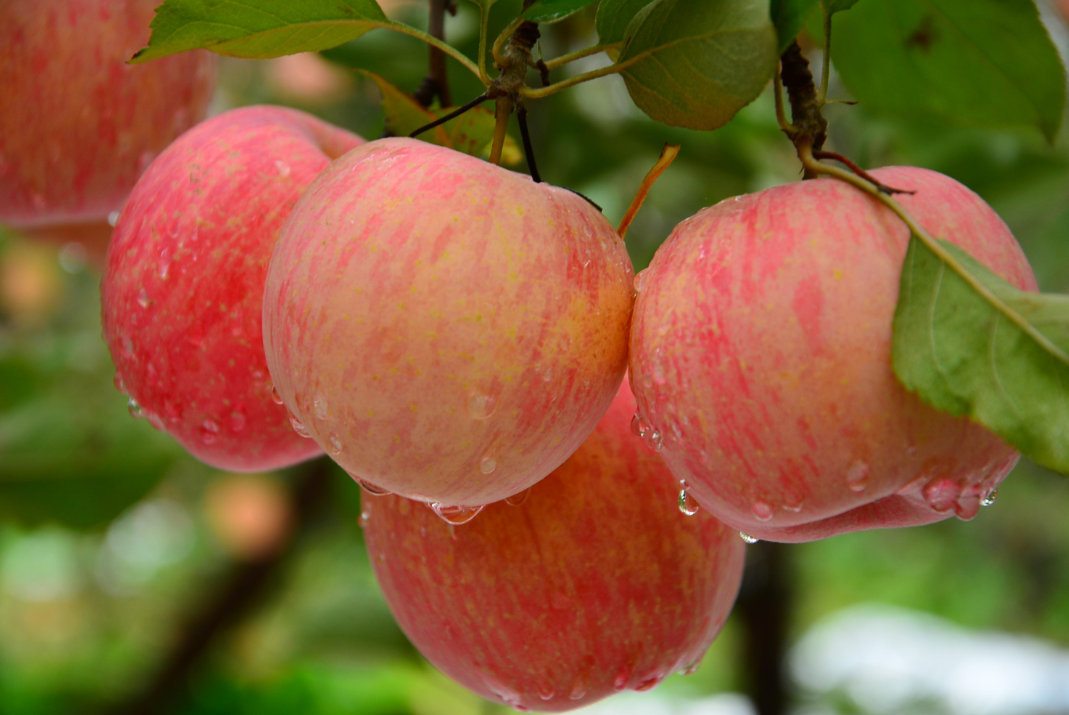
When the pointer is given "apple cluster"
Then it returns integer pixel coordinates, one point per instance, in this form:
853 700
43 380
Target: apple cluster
457 336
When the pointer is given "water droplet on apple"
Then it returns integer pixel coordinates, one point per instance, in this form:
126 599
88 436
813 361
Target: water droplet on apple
913 486
748 539
687 503
480 406
578 691
638 427
319 407
113 218
649 684
299 427
622 678
142 298
275 397
237 420
334 445
654 440
283 168
762 511
119 384
857 476
967 507
658 374
456 515
488 465
941 495
989 498
692 668
365 517
209 431
518 499
370 488
164 265
545 691
640 281
134 408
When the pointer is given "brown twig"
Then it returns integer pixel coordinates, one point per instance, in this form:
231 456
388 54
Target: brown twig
824 154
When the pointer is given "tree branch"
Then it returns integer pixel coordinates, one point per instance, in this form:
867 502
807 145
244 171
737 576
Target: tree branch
242 590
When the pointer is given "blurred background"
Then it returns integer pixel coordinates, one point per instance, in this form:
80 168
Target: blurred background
123 562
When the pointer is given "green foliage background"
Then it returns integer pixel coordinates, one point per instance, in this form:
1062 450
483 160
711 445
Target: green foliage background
92 590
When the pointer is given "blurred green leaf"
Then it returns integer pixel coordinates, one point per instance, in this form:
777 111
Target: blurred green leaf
471 133
614 16
834 6
789 17
270 28
967 355
986 63
554 10
695 65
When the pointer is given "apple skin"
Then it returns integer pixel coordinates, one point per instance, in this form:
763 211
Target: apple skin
79 125
761 354
184 280
446 330
593 584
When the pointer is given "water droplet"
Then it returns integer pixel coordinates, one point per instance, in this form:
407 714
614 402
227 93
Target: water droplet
275 397
283 168
134 409
481 407
658 374
519 499
622 678
794 503
989 498
649 684
654 440
209 430
638 427
113 218
967 507
456 515
762 511
857 476
941 495
545 691
640 281
164 266
371 488
488 465
578 691
693 667
547 375
299 427
237 420
119 384
334 445
142 298
687 503
365 517
319 407
748 539
913 486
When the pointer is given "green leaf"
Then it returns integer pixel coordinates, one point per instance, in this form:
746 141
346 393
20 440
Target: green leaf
471 133
614 16
1003 363
695 64
833 6
268 28
554 10
789 17
987 63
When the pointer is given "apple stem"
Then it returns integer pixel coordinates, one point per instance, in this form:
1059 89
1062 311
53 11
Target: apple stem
807 125
504 110
668 155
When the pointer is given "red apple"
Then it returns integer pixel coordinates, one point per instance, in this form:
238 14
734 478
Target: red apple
760 356
184 280
593 583
447 330
79 125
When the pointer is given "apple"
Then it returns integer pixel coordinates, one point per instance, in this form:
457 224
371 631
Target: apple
184 279
761 360
79 125
445 329
592 583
